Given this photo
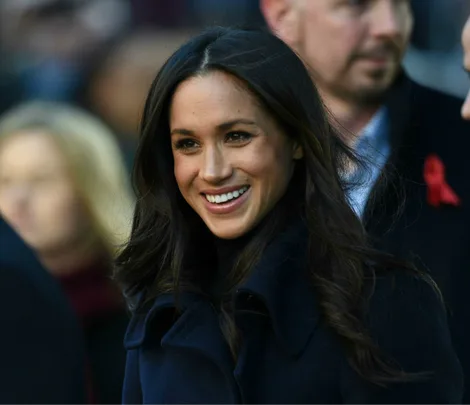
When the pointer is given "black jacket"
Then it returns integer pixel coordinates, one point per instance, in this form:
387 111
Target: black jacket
426 122
41 345
288 354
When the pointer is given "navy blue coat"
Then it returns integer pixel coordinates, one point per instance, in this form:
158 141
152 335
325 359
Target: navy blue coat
288 354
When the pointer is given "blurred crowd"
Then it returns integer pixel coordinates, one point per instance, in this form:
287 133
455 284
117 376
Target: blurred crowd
92 52
73 79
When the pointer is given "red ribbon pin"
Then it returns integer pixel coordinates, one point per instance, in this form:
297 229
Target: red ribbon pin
439 192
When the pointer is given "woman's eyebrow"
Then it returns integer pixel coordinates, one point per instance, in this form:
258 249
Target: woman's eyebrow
182 131
229 124
221 127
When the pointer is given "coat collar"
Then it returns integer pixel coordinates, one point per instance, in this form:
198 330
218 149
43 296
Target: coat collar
280 282
145 315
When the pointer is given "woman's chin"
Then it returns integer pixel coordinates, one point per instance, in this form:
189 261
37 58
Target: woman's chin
228 229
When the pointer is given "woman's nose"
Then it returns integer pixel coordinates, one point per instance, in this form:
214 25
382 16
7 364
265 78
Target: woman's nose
216 165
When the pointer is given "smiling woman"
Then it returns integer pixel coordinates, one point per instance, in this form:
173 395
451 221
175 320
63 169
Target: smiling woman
232 160
250 277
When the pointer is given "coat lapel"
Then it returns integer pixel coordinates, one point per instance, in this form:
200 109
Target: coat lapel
281 283
278 300
194 326
278 296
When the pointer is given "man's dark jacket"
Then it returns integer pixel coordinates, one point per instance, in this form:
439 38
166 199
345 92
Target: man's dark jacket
424 125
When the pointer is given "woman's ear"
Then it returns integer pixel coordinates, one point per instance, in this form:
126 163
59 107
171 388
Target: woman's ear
297 151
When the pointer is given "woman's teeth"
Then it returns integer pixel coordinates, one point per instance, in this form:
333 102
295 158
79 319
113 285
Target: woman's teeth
223 198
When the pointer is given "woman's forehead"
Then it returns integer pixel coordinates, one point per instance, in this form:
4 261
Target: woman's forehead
213 98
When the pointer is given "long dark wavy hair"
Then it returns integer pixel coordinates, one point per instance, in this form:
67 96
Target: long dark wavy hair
170 246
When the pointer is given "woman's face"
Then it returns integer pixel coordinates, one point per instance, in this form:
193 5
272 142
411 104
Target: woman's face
37 197
232 162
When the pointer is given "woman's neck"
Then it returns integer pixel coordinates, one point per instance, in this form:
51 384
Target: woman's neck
228 249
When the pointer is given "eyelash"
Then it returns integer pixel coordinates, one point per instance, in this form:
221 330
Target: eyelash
243 136
183 144
188 144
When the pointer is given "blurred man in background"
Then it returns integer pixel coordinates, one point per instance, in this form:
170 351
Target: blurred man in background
413 136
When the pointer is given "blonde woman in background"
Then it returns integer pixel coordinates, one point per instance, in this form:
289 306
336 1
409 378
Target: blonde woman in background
64 189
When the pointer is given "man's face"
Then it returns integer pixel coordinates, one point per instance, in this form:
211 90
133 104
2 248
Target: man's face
466 64
353 47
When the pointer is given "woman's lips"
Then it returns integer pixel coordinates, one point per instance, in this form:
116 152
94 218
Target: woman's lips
228 206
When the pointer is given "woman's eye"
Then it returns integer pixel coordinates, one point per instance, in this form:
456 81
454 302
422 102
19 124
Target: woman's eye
185 144
238 137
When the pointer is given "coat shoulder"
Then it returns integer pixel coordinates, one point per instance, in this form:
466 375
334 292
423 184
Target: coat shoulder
436 100
443 111
441 130
402 308
406 318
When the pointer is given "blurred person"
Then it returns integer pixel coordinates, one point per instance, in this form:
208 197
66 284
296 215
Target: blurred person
41 345
119 79
466 65
414 199
226 12
64 189
160 13
50 41
250 276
